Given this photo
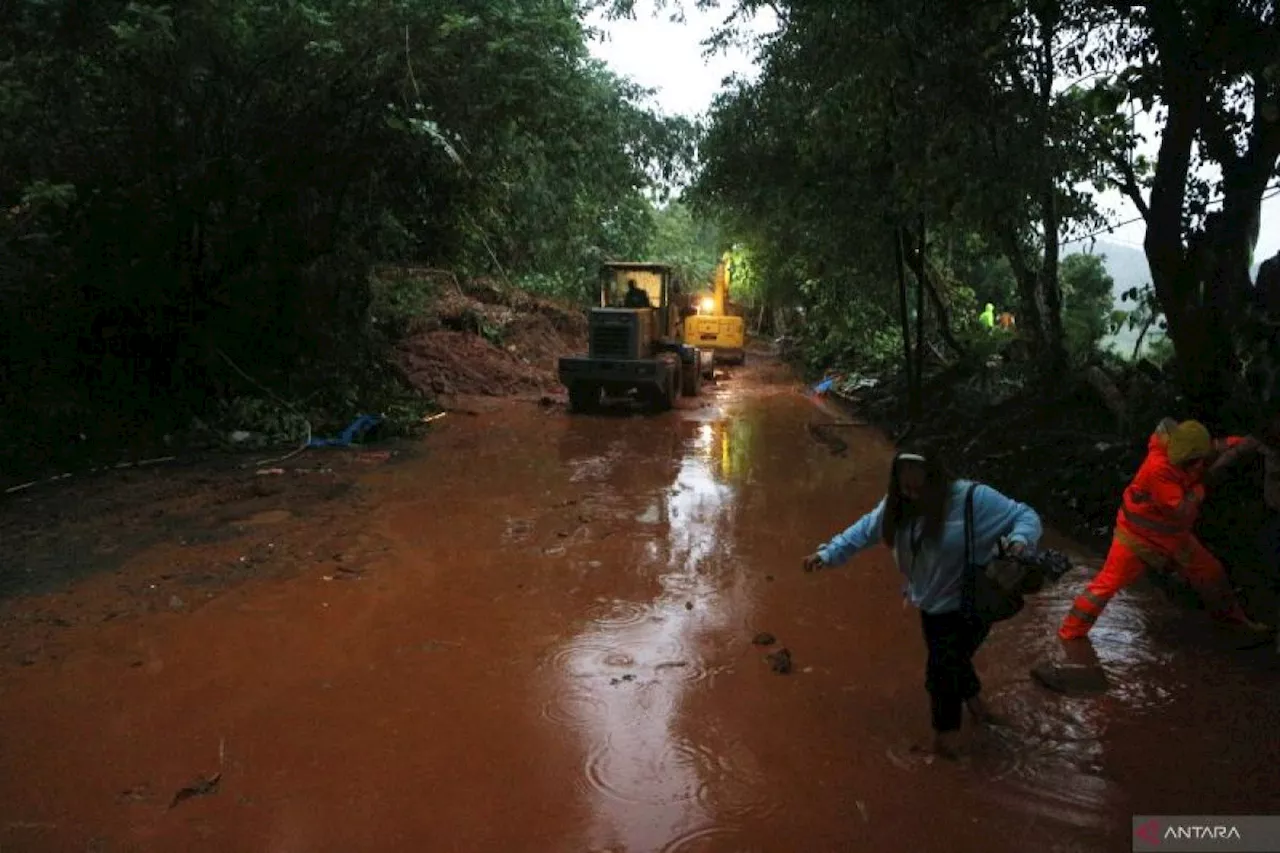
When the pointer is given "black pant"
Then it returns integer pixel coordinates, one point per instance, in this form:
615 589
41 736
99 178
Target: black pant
1269 542
950 678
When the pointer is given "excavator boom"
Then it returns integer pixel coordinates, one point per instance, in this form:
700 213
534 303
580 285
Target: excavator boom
713 327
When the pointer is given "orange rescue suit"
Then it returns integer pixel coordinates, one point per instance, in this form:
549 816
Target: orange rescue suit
1154 530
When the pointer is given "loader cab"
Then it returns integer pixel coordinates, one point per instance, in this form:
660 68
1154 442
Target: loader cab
659 282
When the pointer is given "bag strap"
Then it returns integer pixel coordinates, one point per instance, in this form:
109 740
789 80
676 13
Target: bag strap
970 576
968 526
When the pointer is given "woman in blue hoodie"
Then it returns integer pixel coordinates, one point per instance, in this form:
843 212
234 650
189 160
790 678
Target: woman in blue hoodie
922 520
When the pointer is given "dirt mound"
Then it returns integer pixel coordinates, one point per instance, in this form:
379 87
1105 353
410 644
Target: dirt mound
484 338
446 362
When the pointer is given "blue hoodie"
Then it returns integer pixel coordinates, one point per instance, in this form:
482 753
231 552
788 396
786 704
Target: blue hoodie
934 576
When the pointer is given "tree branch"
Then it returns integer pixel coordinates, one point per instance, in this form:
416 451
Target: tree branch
1213 132
1129 185
928 273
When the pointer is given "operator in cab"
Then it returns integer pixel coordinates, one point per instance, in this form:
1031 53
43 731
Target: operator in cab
635 298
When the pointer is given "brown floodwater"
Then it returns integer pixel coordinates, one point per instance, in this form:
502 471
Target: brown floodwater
548 647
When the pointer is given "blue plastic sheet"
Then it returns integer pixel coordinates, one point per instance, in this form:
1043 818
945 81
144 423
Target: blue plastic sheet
358 427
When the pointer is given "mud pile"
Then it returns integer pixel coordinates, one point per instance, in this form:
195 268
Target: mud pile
484 338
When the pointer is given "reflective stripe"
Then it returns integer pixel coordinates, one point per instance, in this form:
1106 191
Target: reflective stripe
1150 555
1146 523
1092 599
1087 618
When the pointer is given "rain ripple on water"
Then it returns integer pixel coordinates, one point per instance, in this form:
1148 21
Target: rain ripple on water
678 771
707 838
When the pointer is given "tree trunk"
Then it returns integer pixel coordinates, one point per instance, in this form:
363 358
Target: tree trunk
944 316
1173 273
1053 350
920 268
904 316
1201 283
1030 302
920 288
1109 395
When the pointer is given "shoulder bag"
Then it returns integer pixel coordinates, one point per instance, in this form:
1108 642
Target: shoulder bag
985 596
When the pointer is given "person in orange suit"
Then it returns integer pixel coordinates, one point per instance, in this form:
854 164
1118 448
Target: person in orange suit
1154 531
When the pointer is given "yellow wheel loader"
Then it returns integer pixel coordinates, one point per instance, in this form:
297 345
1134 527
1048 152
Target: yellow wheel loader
634 341
713 327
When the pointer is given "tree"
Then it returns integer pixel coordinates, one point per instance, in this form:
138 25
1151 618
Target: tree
836 156
1087 302
691 243
212 180
1212 70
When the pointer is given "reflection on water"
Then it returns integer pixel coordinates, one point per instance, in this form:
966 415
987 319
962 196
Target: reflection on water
655 777
1051 764
623 678
661 727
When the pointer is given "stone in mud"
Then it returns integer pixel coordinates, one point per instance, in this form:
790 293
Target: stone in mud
688 605
267 488
764 638
779 661
1070 678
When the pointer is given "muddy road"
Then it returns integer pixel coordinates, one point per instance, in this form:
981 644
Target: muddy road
533 632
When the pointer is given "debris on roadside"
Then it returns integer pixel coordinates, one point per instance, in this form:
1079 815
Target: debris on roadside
201 788
136 794
352 434
820 432
780 661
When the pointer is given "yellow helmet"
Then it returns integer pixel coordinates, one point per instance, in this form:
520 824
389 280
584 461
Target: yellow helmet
1188 441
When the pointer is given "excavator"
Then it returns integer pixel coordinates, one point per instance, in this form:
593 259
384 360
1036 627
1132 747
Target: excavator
712 327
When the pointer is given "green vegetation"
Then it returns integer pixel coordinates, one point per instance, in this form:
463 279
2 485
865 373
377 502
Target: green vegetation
195 186
690 243
194 196
1087 304
914 161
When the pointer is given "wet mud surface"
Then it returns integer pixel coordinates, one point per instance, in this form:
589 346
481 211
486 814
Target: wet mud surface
544 632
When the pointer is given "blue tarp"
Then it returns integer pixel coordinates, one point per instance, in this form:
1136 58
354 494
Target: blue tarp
358 427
